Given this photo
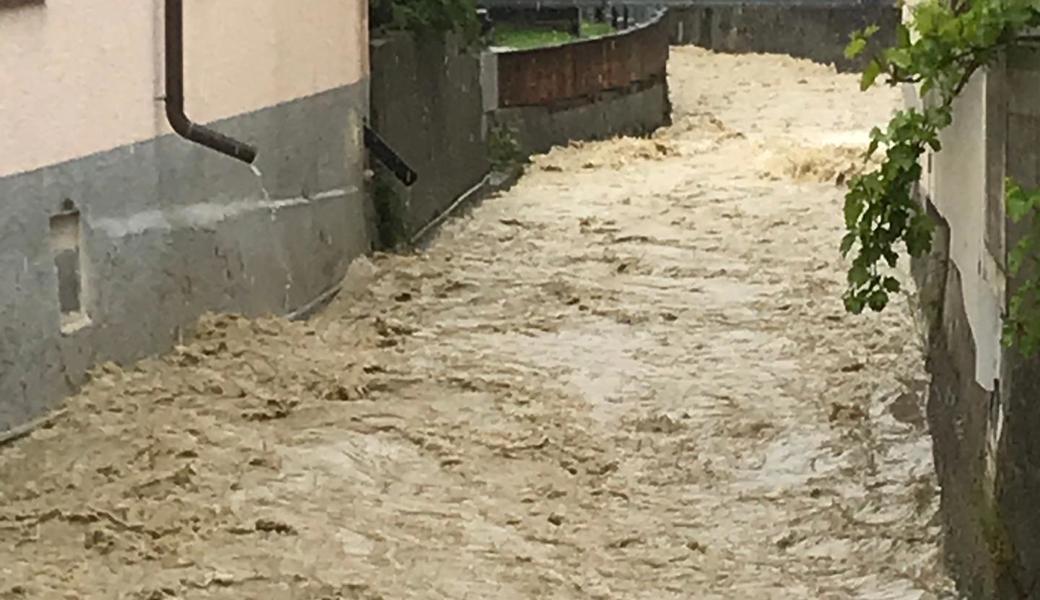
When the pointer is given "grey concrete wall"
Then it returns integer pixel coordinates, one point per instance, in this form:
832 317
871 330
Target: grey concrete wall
812 30
168 230
955 283
957 417
538 128
427 103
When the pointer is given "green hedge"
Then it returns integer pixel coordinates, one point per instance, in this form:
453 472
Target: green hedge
425 16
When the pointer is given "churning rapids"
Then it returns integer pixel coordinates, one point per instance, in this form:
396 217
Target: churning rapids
630 376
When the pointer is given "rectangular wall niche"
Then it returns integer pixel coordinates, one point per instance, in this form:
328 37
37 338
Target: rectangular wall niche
64 242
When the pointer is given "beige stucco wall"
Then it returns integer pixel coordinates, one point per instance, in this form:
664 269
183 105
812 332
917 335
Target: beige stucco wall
78 76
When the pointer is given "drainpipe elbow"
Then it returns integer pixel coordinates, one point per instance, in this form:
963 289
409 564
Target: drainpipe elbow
179 121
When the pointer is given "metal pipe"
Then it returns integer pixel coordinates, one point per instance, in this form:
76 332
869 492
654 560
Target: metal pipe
386 155
180 122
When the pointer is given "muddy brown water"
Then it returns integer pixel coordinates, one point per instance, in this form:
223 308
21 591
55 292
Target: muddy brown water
629 377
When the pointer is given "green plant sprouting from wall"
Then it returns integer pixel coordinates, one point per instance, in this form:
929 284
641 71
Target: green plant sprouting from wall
939 50
1022 323
504 150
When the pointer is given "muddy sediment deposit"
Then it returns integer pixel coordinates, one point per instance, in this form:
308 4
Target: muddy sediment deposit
631 376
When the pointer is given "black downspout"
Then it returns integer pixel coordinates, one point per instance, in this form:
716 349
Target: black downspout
175 93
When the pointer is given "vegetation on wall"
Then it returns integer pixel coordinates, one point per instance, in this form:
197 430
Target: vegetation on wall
939 50
521 37
425 16
504 150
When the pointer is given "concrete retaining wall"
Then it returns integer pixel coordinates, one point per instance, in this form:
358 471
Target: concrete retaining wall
539 128
589 89
817 31
427 104
984 400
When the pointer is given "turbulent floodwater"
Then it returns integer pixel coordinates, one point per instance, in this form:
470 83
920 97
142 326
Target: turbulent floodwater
629 377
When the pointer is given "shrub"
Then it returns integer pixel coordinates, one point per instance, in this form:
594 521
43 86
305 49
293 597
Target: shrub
425 16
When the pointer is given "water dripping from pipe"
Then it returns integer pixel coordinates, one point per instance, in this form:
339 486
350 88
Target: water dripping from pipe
260 180
286 300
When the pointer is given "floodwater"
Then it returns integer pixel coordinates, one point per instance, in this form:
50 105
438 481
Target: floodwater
631 376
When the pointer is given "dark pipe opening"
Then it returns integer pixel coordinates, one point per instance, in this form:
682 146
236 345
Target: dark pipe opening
180 122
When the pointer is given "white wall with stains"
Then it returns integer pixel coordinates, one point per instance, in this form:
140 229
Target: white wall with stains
83 76
958 189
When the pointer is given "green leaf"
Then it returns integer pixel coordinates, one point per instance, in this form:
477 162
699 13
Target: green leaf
899 57
847 242
881 211
855 47
902 35
1019 204
1015 306
878 301
1018 255
919 234
858 275
924 20
853 208
1015 259
870 75
854 304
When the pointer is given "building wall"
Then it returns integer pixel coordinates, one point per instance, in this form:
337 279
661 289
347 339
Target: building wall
81 77
115 234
